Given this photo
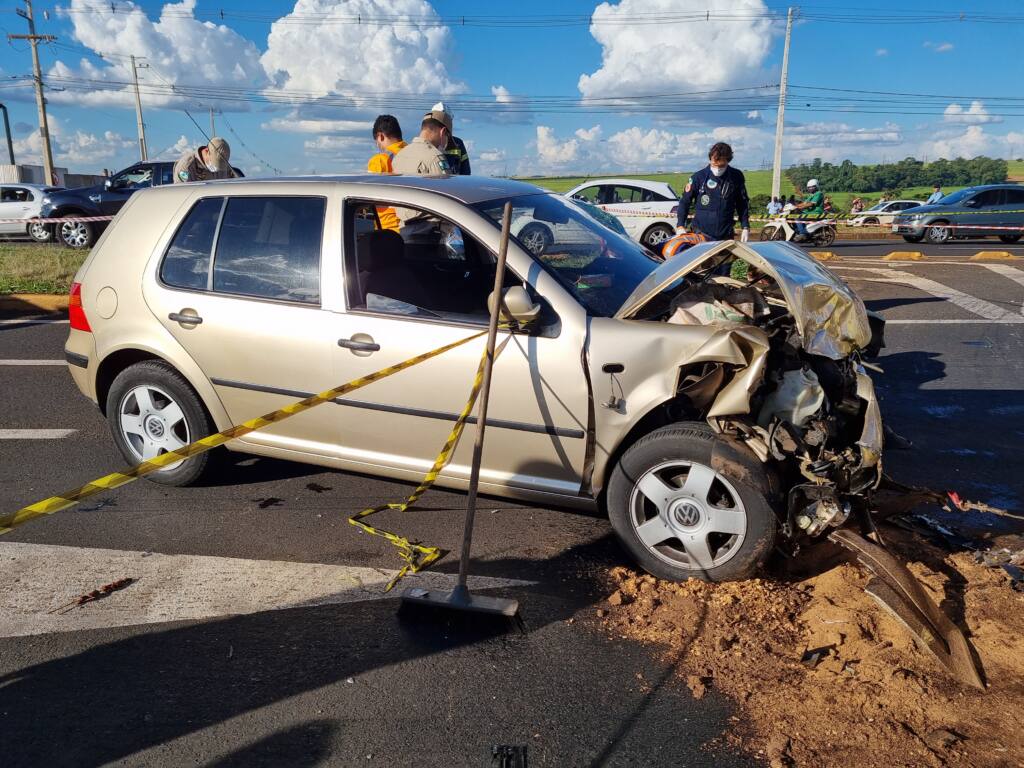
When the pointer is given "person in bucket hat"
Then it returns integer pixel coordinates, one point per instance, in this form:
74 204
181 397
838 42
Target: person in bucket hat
211 161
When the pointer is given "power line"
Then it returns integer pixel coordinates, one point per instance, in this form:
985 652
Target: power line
277 171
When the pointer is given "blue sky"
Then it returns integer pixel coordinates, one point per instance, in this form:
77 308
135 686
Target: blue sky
515 84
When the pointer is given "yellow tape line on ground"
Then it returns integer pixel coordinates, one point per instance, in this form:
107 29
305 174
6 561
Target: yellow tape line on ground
117 479
417 556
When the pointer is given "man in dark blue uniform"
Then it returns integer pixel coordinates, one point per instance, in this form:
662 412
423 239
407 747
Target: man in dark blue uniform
718 194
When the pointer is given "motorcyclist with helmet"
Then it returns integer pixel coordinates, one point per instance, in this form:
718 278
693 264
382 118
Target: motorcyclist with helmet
813 205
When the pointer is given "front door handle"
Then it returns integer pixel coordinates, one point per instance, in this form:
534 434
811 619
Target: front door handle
186 318
360 343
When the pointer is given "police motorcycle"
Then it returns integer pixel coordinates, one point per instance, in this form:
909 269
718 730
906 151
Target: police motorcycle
821 232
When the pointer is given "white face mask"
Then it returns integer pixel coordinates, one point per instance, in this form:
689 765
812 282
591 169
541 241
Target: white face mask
718 170
211 167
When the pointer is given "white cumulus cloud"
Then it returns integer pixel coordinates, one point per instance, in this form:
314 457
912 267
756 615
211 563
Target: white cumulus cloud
286 125
649 59
77 150
975 114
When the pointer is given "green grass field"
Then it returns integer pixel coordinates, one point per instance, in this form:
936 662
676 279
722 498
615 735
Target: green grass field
1015 170
30 268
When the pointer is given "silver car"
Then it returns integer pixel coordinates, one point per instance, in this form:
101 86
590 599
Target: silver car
707 414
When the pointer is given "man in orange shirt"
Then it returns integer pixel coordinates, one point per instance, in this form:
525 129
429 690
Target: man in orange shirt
387 134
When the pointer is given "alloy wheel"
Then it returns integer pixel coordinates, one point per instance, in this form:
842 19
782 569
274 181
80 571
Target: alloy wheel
152 423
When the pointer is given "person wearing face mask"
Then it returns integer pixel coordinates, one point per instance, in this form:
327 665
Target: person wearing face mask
718 195
207 163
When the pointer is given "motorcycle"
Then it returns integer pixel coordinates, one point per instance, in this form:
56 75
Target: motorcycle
821 233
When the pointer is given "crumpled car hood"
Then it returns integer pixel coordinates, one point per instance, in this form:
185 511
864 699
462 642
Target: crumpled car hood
830 318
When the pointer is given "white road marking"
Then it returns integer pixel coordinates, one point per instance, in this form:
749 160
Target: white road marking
35 434
1010 273
38 578
32 362
33 321
970 321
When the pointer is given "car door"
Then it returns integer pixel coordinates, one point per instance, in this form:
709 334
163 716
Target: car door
15 203
122 186
539 403
1011 213
981 212
239 287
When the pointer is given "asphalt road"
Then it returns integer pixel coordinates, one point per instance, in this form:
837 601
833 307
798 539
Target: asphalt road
351 683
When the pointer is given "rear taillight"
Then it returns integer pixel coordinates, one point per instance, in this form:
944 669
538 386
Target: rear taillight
76 314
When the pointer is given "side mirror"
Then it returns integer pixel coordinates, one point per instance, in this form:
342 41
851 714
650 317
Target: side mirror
517 305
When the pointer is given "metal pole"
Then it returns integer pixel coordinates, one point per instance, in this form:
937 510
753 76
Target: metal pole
485 391
44 126
7 130
777 165
138 112
213 129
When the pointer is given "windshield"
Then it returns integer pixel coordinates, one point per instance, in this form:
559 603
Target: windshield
601 268
877 207
953 198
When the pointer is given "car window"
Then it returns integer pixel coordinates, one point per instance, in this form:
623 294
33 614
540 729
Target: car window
622 194
588 194
136 177
428 267
270 247
988 197
187 261
1014 196
166 173
15 195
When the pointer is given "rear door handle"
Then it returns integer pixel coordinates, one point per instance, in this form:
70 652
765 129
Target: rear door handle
359 345
189 319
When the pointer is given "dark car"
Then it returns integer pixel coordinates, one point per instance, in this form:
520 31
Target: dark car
104 199
993 210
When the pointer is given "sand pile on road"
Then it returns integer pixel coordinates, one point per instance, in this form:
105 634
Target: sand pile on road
873 698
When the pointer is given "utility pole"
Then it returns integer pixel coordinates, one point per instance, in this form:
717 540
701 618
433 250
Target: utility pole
44 126
213 128
777 165
138 109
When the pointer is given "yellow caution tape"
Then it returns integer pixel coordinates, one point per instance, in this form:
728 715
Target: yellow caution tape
117 479
418 556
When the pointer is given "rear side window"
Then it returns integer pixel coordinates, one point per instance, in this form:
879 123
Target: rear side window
166 173
270 247
1014 196
187 262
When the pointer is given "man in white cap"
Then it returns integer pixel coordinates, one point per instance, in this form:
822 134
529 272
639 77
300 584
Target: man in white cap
455 149
207 163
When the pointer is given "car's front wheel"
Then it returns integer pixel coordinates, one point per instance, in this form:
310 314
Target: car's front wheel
938 233
76 234
152 410
1009 239
41 233
680 517
657 236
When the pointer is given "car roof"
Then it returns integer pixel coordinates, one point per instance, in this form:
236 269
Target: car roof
465 189
653 186
1003 185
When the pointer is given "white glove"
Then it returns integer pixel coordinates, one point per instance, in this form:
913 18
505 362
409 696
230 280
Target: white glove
744 235
680 230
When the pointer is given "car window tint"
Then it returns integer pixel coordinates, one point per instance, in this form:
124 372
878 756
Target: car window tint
15 195
187 261
1014 196
270 247
988 197
428 267
133 178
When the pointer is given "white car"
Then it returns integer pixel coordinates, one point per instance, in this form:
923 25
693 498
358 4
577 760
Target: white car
22 202
647 209
883 213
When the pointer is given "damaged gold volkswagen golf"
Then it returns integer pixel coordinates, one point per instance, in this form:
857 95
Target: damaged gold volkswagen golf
714 404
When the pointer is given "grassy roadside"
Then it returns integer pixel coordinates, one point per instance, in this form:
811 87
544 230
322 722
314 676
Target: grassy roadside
31 268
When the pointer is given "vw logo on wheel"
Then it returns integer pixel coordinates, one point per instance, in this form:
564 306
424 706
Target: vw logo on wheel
687 514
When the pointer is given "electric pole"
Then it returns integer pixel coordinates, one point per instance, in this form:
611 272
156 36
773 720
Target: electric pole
138 109
777 165
213 128
44 126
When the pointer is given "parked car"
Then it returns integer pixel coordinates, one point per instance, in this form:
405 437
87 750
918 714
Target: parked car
104 199
985 209
706 418
21 202
883 213
647 209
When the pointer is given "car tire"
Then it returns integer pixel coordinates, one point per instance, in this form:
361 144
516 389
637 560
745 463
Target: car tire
872 222
655 237
76 234
654 533
913 238
938 232
536 237
1009 239
40 233
151 409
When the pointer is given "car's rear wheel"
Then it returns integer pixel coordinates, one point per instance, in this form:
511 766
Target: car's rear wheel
76 234
152 410
938 233
655 237
679 517
913 238
536 237
41 233
1009 239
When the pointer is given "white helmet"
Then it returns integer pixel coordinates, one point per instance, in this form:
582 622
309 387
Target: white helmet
812 183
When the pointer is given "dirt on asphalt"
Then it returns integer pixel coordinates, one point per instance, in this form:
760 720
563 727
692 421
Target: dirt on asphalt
872 698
